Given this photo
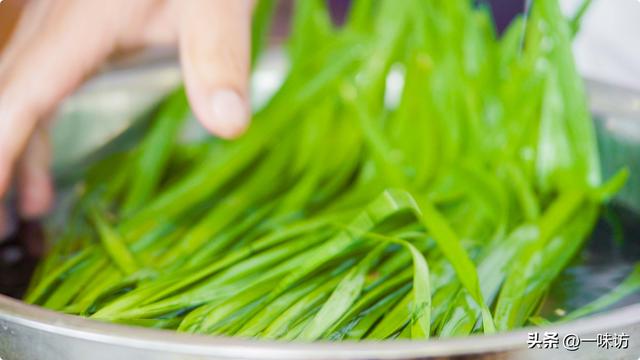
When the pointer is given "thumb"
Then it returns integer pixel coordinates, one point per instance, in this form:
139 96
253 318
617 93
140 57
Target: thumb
215 43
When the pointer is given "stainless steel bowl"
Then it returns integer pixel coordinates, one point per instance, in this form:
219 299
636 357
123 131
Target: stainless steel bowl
29 332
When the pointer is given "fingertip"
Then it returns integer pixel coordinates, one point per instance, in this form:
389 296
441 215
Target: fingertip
215 46
36 195
230 114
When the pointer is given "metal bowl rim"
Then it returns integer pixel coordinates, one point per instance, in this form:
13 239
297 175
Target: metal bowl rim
47 321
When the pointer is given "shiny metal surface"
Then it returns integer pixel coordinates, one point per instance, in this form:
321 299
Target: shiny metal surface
29 332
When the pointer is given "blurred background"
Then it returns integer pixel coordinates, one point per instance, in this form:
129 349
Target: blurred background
9 12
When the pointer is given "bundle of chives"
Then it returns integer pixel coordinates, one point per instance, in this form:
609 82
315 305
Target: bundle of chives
337 217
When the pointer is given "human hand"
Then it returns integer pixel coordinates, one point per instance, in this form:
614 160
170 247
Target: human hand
58 43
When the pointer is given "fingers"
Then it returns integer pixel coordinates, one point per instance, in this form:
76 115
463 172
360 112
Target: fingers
214 38
69 44
34 185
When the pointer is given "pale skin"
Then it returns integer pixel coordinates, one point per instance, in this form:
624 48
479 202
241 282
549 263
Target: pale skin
59 43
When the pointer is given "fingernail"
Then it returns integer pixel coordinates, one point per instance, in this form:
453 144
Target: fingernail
230 113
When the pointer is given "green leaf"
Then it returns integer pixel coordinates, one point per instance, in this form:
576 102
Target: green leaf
114 244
